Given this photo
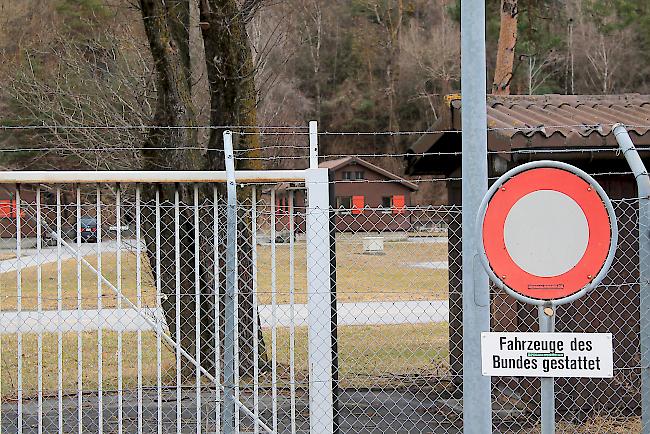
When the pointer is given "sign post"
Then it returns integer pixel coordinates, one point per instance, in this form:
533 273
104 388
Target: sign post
549 235
547 385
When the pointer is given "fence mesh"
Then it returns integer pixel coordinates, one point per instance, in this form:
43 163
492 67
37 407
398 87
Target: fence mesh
104 299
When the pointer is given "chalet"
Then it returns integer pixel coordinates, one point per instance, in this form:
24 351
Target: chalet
578 130
9 210
367 198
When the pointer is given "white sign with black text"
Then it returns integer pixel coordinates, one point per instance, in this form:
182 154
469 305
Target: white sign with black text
547 354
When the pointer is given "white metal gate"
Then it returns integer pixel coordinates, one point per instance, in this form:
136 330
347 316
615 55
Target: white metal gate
156 302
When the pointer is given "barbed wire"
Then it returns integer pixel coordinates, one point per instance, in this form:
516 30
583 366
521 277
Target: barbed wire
291 129
322 157
149 127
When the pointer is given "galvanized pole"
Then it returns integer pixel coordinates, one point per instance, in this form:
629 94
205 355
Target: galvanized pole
643 185
477 414
228 407
547 325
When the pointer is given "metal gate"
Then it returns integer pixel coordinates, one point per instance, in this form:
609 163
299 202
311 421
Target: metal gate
168 302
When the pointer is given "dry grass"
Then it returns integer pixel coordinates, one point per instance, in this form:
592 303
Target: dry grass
5 256
29 285
89 362
359 277
369 356
598 425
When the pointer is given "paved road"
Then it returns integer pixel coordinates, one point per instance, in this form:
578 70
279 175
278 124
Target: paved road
363 411
369 313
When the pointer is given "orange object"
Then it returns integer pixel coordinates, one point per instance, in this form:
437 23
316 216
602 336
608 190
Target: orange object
398 204
7 208
357 204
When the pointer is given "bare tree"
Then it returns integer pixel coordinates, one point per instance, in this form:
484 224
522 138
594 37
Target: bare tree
93 82
311 29
434 67
541 68
390 16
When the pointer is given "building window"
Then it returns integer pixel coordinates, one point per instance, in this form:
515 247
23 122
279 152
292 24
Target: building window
353 176
387 203
343 204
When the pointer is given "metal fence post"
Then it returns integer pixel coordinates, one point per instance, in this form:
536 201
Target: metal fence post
643 184
321 314
547 385
228 408
477 415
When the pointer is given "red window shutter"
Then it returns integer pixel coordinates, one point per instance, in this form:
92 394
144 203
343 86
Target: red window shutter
357 204
398 204
6 210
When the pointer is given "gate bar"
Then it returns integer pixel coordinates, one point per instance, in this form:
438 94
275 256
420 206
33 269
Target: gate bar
177 306
132 176
19 300
228 409
39 287
155 324
100 338
197 308
274 316
256 367
159 306
138 295
118 284
80 365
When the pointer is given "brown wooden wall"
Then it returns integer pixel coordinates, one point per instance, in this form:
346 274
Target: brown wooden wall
366 220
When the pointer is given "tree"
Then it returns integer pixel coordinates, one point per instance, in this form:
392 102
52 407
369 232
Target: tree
230 75
503 72
389 14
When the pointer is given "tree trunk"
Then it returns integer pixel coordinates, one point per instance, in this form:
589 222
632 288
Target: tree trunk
166 24
231 79
506 48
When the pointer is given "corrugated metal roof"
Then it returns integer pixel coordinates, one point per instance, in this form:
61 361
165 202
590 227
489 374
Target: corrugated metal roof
561 120
518 122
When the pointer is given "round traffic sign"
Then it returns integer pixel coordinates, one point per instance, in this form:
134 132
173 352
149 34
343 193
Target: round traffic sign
547 232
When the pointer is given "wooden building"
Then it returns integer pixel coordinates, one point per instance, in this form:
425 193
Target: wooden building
576 130
9 211
368 198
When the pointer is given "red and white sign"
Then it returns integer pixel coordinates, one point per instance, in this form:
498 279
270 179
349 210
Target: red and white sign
546 233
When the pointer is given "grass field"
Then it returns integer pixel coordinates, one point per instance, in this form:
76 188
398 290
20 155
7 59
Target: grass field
359 277
598 424
369 356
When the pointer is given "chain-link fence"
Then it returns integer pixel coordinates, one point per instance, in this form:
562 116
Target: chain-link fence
115 314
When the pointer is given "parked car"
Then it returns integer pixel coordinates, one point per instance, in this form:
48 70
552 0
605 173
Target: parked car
88 229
